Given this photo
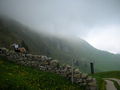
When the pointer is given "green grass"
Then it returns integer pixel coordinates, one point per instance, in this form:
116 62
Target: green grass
111 74
17 77
57 47
101 83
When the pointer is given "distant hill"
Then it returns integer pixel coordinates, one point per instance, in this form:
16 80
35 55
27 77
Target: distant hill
64 48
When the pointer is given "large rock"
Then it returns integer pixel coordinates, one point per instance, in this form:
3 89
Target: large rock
77 76
77 71
84 75
4 50
89 79
54 63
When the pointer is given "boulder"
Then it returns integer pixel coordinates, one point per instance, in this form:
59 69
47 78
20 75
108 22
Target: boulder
54 63
29 55
4 50
77 71
77 76
79 81
92 84
84 76
89 79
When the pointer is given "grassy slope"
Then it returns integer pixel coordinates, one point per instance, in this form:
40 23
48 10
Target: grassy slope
100 76
16 77
111 74
57 47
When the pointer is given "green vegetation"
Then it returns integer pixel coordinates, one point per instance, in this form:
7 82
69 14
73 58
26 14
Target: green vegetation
63 48
17 77
100 76
100 83
111 74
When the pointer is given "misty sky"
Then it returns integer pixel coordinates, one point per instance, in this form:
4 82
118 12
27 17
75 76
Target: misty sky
96 21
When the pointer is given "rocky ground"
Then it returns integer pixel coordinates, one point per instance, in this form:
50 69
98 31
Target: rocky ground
48 64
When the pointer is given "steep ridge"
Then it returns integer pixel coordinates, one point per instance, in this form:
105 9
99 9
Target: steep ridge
65 49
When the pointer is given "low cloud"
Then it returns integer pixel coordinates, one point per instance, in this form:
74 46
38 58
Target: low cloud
70 17
107 38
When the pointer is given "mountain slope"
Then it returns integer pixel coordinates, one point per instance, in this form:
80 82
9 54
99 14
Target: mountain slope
17 77
65 49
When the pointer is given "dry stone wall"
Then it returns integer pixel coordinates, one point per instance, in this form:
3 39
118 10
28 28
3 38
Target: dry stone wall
45 63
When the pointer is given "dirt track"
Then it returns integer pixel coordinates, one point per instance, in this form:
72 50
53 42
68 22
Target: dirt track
110 85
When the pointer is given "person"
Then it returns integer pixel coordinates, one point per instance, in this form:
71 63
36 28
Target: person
0 51
15 46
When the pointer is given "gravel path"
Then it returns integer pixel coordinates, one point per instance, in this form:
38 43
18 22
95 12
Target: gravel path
110 85
115 79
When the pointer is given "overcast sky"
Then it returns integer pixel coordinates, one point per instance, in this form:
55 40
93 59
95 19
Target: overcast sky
96 21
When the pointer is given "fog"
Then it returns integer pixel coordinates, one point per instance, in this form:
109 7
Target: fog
96 21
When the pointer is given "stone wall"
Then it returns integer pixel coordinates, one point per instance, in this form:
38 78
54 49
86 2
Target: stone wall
48 64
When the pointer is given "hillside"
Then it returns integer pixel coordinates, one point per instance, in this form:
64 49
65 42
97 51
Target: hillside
65 49
17 77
